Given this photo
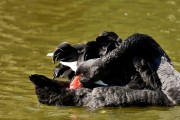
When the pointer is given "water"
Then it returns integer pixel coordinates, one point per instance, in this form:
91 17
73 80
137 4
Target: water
29 29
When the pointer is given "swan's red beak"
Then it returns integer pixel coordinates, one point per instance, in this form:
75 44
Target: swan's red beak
75 83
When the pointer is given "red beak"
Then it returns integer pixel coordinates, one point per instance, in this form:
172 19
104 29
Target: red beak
75 83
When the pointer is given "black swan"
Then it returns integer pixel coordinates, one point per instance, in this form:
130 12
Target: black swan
136 70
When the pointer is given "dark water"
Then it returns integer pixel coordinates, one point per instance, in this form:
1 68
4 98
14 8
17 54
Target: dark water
29 29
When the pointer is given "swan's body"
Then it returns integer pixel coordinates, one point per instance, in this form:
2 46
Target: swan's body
142 75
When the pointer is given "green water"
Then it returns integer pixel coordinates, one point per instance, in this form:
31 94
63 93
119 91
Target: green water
29 29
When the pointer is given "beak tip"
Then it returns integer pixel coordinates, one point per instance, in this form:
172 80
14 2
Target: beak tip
75 83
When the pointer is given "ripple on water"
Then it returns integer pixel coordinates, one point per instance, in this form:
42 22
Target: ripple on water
6 106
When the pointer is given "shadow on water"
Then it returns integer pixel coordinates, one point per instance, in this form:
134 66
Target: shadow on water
29 29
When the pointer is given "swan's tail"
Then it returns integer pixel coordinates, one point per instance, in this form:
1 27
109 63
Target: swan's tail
42 81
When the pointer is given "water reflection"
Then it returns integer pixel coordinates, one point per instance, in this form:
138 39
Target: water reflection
29 29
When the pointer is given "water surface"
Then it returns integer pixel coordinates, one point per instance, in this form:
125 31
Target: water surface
29 29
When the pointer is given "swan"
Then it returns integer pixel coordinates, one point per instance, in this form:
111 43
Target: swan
146 77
